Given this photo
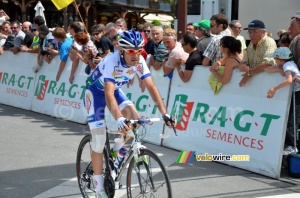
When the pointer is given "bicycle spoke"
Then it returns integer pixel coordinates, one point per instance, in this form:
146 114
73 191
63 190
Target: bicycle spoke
148 178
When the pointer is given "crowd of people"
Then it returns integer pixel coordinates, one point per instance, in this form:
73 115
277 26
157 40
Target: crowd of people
215 43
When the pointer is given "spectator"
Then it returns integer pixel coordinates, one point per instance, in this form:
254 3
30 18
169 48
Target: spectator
231 48
203 34
160 51
26 26
7 38
102 43
284 40
121 23
28 34
190 28
236 29
218 25
61 36
256 60
112 30
149 46
35 42
38 21
175 51
295 36
19 36
3 16
48 47
283 59
140 28
189 43
89 50
74 28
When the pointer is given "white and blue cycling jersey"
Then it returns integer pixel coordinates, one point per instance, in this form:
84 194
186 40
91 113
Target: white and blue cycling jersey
113 69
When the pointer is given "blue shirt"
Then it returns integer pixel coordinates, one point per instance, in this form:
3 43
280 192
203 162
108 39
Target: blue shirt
64 49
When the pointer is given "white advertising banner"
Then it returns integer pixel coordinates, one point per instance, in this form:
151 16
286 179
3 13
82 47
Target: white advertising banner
236 121
145 105
16 79
60 98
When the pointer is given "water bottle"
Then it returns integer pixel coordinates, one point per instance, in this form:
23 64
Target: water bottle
121 155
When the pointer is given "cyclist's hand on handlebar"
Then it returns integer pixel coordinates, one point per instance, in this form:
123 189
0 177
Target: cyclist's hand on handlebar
169 120
122 124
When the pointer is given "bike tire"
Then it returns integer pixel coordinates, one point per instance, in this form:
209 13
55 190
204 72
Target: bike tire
150 168
84 168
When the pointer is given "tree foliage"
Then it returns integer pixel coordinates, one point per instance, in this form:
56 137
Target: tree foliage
156 22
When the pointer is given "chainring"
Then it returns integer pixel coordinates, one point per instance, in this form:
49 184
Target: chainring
109 184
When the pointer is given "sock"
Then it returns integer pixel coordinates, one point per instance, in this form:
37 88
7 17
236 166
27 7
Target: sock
99 183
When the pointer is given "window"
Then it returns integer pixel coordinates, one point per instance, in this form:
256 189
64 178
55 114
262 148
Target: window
193 7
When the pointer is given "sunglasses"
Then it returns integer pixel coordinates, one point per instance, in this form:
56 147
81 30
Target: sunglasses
96 33
13 28
33 30
147 31
132 51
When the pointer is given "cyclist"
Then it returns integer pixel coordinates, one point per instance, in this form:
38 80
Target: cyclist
103 88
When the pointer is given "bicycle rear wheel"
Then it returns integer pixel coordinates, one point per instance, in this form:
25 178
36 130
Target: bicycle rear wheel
84 168
148 177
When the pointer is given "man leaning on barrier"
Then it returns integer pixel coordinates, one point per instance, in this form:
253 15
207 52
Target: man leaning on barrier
257 59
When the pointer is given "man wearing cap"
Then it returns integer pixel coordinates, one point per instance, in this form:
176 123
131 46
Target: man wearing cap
203 34
218 25
295 35
256 59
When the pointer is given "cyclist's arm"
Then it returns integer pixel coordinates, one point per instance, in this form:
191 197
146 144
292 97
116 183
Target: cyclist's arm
155 94
111 102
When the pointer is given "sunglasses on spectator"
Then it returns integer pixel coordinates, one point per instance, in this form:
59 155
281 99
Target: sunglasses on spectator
147 31
96 33
132 51
33 30
13 28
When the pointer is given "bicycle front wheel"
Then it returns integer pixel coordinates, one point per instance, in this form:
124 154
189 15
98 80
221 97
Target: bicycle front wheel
147 177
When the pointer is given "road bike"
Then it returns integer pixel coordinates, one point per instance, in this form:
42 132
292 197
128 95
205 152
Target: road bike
146 174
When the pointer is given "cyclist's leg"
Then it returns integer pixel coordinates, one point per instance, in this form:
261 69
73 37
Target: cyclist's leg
127 107
95 106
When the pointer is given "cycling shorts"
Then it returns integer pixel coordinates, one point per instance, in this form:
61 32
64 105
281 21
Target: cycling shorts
95 104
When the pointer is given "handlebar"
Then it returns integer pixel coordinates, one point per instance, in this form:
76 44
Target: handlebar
149 120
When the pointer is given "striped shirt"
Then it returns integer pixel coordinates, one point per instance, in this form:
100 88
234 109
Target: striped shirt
213 51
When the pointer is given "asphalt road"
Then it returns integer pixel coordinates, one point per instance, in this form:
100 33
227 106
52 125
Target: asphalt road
38 153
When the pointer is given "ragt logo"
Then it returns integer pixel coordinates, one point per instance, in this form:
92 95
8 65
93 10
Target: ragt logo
59 89
41 87
181 110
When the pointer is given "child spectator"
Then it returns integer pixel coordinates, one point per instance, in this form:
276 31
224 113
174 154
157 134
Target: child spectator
60 35
283 59
48 47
